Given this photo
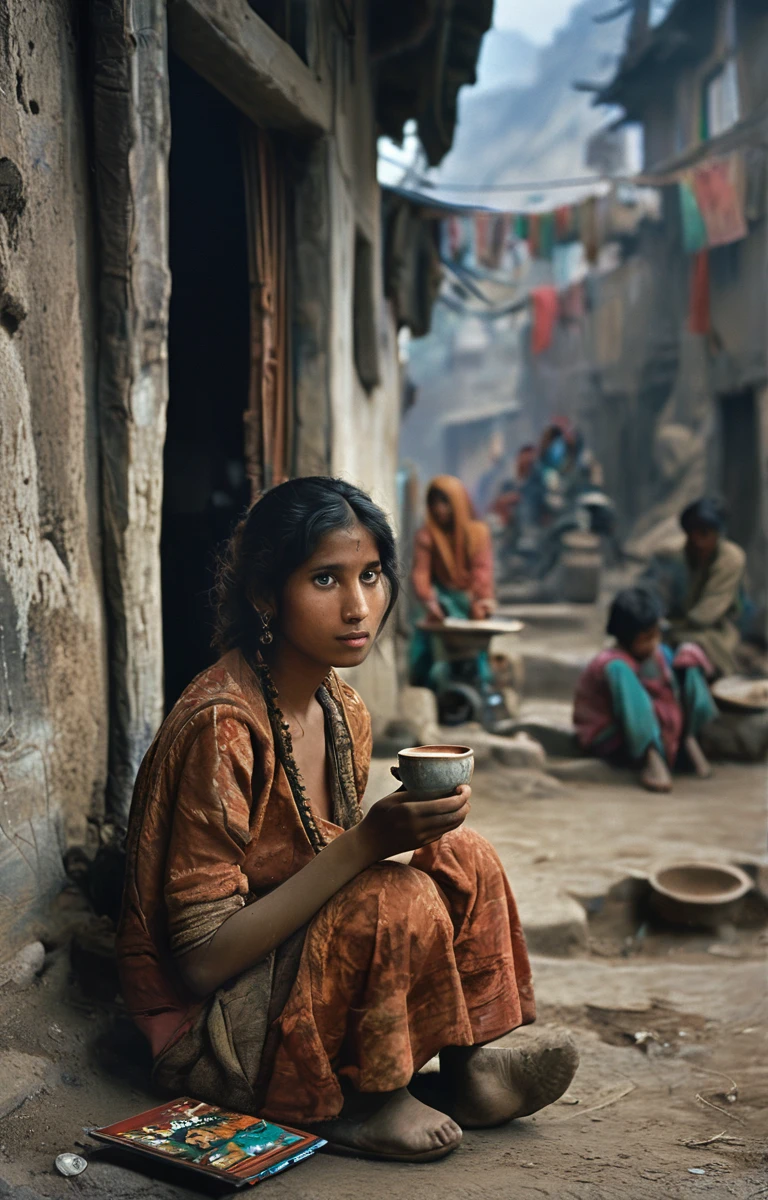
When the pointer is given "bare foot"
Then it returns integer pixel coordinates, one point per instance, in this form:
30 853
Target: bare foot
655 776
492 1085
701 763
393 1125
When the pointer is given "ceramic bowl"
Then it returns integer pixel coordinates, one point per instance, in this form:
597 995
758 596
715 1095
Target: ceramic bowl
432 772
697 893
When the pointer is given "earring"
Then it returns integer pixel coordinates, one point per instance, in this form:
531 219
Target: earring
267 637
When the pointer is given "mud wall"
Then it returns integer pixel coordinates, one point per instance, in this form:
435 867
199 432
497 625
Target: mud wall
53 704
344 424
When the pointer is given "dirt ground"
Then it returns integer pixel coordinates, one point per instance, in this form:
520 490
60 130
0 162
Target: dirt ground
673 1039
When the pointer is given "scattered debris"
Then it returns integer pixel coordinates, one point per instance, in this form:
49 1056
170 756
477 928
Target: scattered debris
70 1164
696 1171
717 1108
604 1103
732 1095
725 1138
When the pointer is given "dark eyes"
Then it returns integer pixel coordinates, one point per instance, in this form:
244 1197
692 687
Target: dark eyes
325 580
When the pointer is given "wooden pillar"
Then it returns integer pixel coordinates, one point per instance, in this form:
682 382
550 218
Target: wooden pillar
131 142
311 310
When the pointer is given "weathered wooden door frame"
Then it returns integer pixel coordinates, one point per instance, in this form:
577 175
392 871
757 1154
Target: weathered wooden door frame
131 145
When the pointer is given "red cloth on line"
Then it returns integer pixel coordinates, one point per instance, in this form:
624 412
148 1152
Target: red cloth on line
718 200
699 315
482 237
545 308
563 221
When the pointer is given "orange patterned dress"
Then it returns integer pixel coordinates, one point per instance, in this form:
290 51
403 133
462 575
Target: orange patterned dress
399 963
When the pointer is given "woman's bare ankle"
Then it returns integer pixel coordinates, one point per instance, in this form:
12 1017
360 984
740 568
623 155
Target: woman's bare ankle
698 758
655 776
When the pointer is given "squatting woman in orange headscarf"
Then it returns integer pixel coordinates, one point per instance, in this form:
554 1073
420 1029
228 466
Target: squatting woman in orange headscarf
452 572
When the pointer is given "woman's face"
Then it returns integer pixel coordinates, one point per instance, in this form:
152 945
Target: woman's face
702 543
333 604
441 510
646 643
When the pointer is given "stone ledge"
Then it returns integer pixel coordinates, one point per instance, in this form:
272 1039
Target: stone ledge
21 1077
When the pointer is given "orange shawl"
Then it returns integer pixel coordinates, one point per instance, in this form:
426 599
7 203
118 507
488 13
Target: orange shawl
453 552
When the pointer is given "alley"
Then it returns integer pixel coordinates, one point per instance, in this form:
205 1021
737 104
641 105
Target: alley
384 392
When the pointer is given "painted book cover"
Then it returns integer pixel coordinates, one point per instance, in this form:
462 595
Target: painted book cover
231 1146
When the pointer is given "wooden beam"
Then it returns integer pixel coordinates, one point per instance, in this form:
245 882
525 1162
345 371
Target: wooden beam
132 134
245 60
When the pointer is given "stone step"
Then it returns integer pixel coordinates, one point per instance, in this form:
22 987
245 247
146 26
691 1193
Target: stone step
552 674
21 1077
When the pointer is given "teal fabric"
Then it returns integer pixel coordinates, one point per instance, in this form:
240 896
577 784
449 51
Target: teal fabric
634 712
697 701
635 715
426 660
694 229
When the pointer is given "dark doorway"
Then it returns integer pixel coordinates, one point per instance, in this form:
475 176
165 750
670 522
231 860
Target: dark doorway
205 481
740 467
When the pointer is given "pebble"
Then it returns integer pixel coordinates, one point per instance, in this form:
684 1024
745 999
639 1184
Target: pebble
696 1171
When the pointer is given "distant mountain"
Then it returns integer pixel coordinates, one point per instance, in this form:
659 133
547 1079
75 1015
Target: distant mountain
507 58
538 130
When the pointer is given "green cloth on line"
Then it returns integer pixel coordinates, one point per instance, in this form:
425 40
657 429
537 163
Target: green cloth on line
694 229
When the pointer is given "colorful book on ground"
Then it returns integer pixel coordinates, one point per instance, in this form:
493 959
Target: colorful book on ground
229 1146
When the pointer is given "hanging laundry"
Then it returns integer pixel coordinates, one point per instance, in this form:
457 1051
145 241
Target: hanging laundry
564 223
588 229
482 238
534 234
694 229
699 320
717 198
546 234
522 230
498 240
568 264
545 306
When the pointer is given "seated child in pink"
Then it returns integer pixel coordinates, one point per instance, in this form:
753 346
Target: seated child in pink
639 701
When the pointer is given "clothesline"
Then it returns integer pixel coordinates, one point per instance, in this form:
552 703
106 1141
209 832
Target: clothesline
536 185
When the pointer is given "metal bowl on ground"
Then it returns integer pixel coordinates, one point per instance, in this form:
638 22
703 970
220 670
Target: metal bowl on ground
697 893
735 693
462 637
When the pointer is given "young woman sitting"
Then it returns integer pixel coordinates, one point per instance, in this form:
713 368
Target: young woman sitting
643 703
276 961
452 576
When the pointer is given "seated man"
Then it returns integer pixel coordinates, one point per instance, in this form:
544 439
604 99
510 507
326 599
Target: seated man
639 703
702 586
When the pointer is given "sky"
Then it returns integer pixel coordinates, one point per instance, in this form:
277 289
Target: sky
538 21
